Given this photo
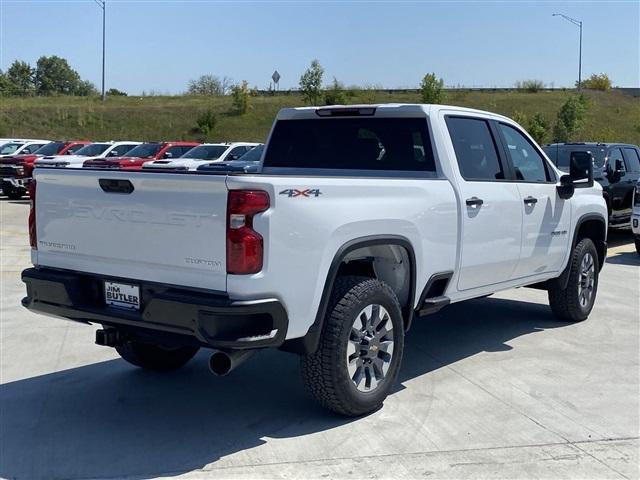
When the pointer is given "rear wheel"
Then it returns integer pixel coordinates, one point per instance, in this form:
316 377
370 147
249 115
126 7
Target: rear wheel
574 303
155 357
360 351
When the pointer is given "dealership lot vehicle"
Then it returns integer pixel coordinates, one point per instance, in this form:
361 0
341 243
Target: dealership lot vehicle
16 170
207 152
616 168
21 147
94 150
141 154
247 163
635 216
361 218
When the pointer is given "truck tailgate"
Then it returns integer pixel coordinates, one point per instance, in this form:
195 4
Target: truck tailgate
169 229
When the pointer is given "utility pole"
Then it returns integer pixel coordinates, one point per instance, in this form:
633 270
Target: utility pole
577 23
103 5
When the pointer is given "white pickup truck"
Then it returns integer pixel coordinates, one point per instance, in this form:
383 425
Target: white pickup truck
362 220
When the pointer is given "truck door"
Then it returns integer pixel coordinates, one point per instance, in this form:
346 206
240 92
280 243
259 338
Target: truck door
491 206
546 224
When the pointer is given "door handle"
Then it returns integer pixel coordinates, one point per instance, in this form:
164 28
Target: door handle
474 202
530 200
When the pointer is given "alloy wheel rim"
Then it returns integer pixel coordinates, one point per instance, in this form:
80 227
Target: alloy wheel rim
586 280
370 347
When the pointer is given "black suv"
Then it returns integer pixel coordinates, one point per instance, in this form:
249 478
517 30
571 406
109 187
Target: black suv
616 166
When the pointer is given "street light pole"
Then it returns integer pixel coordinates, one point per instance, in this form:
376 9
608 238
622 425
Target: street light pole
103 5
577 23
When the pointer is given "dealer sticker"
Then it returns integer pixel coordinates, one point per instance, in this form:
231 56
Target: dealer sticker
122 295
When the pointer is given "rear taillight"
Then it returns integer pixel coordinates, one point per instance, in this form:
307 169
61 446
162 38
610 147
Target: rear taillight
33 240
244 244
636 197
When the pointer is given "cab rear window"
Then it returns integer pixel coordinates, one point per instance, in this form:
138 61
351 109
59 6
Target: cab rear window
388 144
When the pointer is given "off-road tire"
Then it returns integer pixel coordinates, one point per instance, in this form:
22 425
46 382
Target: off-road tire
565 303
155 357
325 371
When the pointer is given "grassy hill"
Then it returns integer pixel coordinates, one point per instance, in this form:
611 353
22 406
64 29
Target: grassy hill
612 116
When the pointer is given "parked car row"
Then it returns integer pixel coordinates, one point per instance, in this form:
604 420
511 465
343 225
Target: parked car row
616 166
18 158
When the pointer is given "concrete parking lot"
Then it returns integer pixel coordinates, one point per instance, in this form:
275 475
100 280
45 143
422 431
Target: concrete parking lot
492 388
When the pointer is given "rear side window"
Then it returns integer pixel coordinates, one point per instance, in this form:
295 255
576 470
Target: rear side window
400 144
633 161
475 149
527 163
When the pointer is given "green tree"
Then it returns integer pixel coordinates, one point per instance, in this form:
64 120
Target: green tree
206 122
206 85
335 94
538 128
20 77
85 89
5 85
432 89
54 76
311 83
530 86
597 82
240 94
570 118
114 92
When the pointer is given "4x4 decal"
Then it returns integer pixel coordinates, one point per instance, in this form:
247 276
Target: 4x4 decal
307 192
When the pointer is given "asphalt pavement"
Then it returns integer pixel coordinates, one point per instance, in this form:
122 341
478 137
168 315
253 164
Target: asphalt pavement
490 388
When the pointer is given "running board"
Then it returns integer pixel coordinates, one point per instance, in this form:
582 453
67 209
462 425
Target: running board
432 305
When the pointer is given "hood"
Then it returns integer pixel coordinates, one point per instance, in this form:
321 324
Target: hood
179 163
63 160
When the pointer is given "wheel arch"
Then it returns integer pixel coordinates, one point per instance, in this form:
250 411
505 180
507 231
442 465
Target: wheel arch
309 342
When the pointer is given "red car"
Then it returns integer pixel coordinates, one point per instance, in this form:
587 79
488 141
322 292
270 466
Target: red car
144 152
16 171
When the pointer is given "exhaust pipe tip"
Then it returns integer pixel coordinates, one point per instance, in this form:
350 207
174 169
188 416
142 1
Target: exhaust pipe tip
220 363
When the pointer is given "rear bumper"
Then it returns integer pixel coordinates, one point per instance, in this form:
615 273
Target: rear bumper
188 315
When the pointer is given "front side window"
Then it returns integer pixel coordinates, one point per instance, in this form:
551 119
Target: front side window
528 164
381 144
475 149
32 148
633 161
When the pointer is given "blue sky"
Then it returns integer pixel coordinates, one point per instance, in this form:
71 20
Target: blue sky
160 45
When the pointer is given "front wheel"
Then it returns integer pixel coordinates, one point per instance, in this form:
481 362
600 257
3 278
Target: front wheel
155 357
15 193
638 245
358 359
574 303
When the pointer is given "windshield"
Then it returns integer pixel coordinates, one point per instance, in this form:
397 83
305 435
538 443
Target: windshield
252 155
50 148
9 148
206 152
559 154
93 149
145 150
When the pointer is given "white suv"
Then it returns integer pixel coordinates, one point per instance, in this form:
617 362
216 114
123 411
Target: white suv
95 150
207 152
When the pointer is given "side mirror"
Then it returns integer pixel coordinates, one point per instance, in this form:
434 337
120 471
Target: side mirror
581 169
167 155
620 170
580 174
